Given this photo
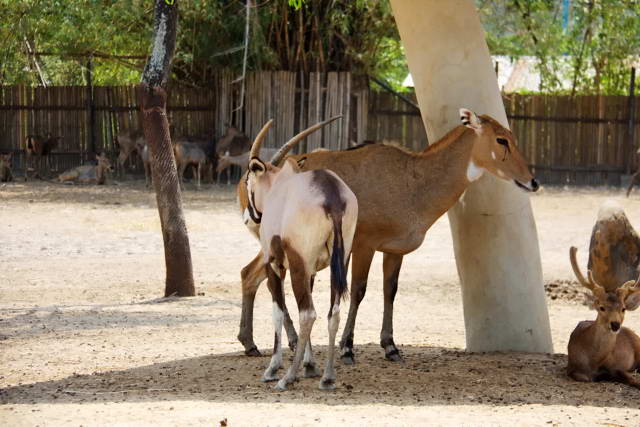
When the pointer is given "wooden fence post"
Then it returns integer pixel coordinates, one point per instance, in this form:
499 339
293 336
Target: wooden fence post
632 118
91 109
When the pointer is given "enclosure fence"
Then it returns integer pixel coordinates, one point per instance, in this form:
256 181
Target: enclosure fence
586 140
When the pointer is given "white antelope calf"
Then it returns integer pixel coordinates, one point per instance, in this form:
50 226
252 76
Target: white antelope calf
604 349
307 221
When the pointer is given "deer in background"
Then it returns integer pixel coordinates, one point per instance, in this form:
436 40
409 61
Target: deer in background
189 154
233 143
604 349
38 147
307 222
128 142
241 160
88 174
400 195
6 174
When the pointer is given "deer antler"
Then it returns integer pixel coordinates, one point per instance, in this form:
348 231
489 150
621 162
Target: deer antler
277 158
257 143
631 285
589 284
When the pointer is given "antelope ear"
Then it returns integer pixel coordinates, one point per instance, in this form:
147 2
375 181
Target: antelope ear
257 167
591 301
301 162
470 119
632 301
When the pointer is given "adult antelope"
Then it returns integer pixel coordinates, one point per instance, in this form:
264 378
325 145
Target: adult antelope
604 349
307 221
400 195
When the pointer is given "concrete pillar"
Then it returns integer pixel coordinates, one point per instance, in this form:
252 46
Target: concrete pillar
494 233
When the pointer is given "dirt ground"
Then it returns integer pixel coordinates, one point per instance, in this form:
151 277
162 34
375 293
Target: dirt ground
85 340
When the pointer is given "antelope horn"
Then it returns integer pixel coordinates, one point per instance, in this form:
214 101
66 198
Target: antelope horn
589 284
257 143
277 158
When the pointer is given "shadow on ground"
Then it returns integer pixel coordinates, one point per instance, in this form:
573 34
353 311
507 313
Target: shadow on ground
429 375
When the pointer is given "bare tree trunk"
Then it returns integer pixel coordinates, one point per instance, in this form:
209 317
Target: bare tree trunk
177 252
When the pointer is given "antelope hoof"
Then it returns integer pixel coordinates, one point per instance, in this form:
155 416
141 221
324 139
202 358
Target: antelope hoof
347 357
327 384
393 355
252 352
310 371
283 384
269 375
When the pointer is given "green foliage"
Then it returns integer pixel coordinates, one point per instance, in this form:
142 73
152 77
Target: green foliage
593 54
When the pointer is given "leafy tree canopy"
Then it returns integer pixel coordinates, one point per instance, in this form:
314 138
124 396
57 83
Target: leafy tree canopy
593 51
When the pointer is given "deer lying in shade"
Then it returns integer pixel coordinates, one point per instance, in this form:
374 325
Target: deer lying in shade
88 174
604 349
6 174
307 221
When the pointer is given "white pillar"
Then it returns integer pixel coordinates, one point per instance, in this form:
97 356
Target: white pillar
494 233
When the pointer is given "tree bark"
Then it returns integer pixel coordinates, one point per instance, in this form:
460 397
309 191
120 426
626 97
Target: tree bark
177 252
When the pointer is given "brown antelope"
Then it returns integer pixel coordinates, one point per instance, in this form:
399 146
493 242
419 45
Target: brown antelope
189 154
400 195
233 141
241 160
88 174
307 221
128 143
603 349
614 249
6 174
38 147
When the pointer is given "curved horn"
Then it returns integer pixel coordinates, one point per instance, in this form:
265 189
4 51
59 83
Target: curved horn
277 158
257 143
590 284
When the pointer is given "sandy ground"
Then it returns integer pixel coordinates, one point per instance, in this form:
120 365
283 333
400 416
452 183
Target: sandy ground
84 339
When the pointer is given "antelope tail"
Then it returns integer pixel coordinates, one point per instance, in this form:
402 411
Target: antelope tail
338 268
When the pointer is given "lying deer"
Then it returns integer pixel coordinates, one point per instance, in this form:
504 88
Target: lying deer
241 160
6 174
88 174
307 221
400 195
604 349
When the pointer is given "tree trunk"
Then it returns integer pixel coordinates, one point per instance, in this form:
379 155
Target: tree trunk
494 232
177 252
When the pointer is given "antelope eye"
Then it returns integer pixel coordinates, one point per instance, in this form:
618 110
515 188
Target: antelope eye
502 141
601 308
624 309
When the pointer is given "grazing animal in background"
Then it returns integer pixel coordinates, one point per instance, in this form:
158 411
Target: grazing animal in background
241 160
614 250
39 148
604 349
128 142
400 195
189 154
234 142
88 174
6 174
307 221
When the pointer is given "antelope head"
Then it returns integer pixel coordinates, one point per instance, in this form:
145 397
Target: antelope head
260 174
611 306
104 163
495 151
